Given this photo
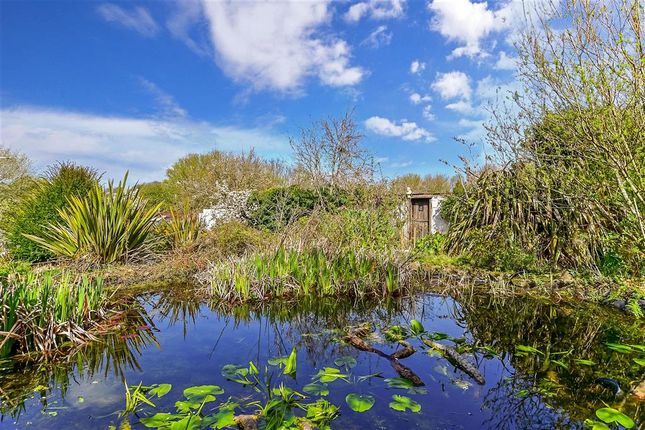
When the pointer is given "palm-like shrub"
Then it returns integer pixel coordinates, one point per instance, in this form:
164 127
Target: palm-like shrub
105 226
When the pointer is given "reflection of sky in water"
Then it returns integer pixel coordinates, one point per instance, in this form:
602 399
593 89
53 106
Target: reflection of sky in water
194 353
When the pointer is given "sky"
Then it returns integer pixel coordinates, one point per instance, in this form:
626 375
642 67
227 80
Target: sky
137 85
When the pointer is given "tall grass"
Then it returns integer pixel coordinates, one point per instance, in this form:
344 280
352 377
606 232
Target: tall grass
310 272
182 229
105 226
38 312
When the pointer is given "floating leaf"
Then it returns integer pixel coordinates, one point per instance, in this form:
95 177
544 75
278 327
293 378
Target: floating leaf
160 419
396 334
160 390
402 403
438 336
347 361
236 374
596 425
360 402
222 419
199 392
611 415
316 389
330 374
80 399
416 327
370 376
404 384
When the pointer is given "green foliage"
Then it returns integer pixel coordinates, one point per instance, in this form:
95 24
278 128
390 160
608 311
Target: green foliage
307 272
495 248
275 208
105 226
197 181
38 312
157 193
402 403
431 244
181 229
232 239
360 402
41 208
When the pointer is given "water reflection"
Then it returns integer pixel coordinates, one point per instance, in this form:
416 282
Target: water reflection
170 338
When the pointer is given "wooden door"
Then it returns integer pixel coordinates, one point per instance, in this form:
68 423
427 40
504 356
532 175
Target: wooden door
419 218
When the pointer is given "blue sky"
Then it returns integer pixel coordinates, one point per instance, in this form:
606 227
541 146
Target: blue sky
136 85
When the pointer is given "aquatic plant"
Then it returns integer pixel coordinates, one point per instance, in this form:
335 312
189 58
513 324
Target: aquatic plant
293 273
39 312
105 226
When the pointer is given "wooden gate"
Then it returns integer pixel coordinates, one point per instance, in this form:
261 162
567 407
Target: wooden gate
419 218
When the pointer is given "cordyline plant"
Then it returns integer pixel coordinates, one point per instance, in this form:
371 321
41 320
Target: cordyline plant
105 226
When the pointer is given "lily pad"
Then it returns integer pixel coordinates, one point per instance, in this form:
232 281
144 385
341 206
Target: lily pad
611 415
160 390
199 392
330 374
403 403
347 361
316 389
360 402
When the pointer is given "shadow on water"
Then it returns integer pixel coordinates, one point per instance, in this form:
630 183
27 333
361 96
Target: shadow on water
173 338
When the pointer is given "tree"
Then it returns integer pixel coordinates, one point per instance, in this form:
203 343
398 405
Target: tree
329 154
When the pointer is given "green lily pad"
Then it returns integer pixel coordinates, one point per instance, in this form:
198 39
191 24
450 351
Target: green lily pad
330 374
160 390
347 361
611 415
403 403
199 392
360 402
316 389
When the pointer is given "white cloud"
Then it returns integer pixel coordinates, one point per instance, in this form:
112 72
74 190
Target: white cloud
417 67
375 9
417 98
167 103
379 37
470 22
465 22
145 147
505 62
427 113
452 85
187 15
137 18
461 106
276 45
406 130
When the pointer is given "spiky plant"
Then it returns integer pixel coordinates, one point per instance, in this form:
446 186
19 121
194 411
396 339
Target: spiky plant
105 226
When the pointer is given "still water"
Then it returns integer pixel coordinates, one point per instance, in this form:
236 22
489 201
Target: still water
539 360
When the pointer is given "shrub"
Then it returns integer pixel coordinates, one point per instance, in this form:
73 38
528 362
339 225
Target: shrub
105 226
431 244
41 207
495 248
181 229
278 207
232 239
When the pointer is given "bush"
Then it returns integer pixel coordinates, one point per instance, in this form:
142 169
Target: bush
278 207
232 239
41 207
105 226
495 248
431 244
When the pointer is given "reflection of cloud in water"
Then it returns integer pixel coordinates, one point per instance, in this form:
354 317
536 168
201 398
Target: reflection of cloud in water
98 394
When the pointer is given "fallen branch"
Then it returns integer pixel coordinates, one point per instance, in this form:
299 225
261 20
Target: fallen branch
457 360
393 358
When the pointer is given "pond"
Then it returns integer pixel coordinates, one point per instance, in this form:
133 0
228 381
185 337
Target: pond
539 362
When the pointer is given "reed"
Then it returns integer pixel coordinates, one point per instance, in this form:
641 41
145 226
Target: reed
40 312
309 272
